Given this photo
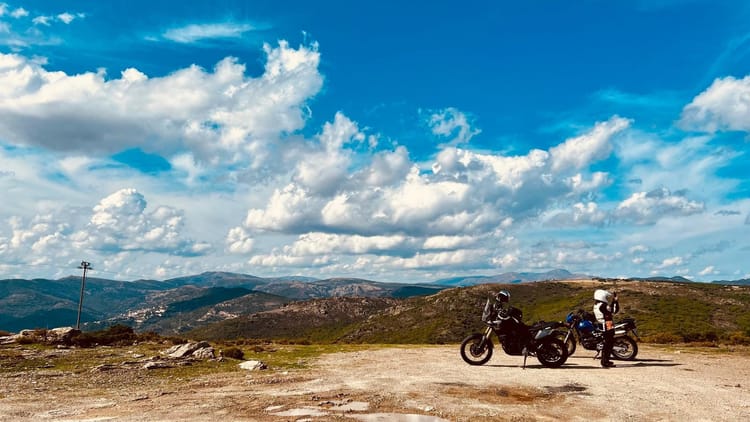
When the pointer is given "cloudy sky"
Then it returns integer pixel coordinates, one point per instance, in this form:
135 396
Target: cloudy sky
389 140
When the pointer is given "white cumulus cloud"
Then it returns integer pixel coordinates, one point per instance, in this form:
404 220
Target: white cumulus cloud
670 262
120 222
725 105
218 116
649 207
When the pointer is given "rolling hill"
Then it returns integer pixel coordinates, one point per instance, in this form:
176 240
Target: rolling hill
217 305
175 305
664 311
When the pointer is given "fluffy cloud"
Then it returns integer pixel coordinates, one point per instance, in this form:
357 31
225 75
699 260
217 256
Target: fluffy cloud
239 241
386 168
467 192
19 13
710 270
457 259
580 214
41 236
649 207
220 116
725 105
52 242
120 223
579 152
326 243
670 262
323 171
404 216
288 209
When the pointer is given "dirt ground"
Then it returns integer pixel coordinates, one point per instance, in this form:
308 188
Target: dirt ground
409 384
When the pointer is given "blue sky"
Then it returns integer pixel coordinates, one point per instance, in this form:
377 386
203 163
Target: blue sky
395 141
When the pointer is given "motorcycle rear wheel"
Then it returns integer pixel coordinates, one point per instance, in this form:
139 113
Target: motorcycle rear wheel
552 353
624 348
473 353
571 345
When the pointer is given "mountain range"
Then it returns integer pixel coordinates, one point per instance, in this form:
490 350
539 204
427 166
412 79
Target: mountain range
235 304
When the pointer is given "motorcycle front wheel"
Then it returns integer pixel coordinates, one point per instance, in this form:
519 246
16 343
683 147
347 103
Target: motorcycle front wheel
624 348
474 352
552 353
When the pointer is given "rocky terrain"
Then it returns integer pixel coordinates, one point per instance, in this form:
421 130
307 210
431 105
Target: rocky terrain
405 383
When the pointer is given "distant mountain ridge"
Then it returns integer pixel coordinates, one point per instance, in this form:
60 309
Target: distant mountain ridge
511 277
175 305
182 304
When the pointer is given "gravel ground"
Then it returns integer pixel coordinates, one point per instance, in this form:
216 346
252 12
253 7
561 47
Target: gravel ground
410 384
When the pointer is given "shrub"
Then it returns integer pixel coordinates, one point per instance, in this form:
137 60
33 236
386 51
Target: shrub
700 337
26 340
116 335
738 338
663 338
233 352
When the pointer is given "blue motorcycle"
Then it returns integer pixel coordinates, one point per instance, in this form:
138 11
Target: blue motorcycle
583 329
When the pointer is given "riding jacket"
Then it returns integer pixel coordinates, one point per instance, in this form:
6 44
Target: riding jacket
604 312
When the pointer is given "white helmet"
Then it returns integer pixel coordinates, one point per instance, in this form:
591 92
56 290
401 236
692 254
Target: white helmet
602 296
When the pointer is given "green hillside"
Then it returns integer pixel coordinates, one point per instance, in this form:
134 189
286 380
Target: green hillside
664 312
318 320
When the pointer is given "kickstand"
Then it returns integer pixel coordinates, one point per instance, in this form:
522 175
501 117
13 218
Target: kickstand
525 355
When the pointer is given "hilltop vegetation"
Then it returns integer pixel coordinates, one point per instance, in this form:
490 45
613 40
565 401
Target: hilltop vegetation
664 311
318 320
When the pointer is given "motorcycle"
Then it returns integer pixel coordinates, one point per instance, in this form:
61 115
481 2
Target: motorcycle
583 329
515 337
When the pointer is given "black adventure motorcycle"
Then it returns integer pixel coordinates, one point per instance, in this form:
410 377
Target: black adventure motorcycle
515 337
583 329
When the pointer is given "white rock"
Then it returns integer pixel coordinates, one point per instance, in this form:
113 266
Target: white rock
253 365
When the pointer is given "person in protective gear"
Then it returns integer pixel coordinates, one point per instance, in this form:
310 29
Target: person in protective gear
605 306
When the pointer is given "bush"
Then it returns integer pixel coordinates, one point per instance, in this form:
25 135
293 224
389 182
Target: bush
700 337
738 338
116 335
663 338
234 353
27 340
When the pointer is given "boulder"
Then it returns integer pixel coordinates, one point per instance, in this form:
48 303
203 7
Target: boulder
187 349
204 353
253 365
61 335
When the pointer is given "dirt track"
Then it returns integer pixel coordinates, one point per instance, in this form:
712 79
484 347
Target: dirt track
419 384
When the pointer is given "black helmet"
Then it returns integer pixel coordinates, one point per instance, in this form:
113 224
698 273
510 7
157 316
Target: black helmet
503 296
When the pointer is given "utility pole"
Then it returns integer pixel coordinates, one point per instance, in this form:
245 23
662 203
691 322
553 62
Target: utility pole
85 266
